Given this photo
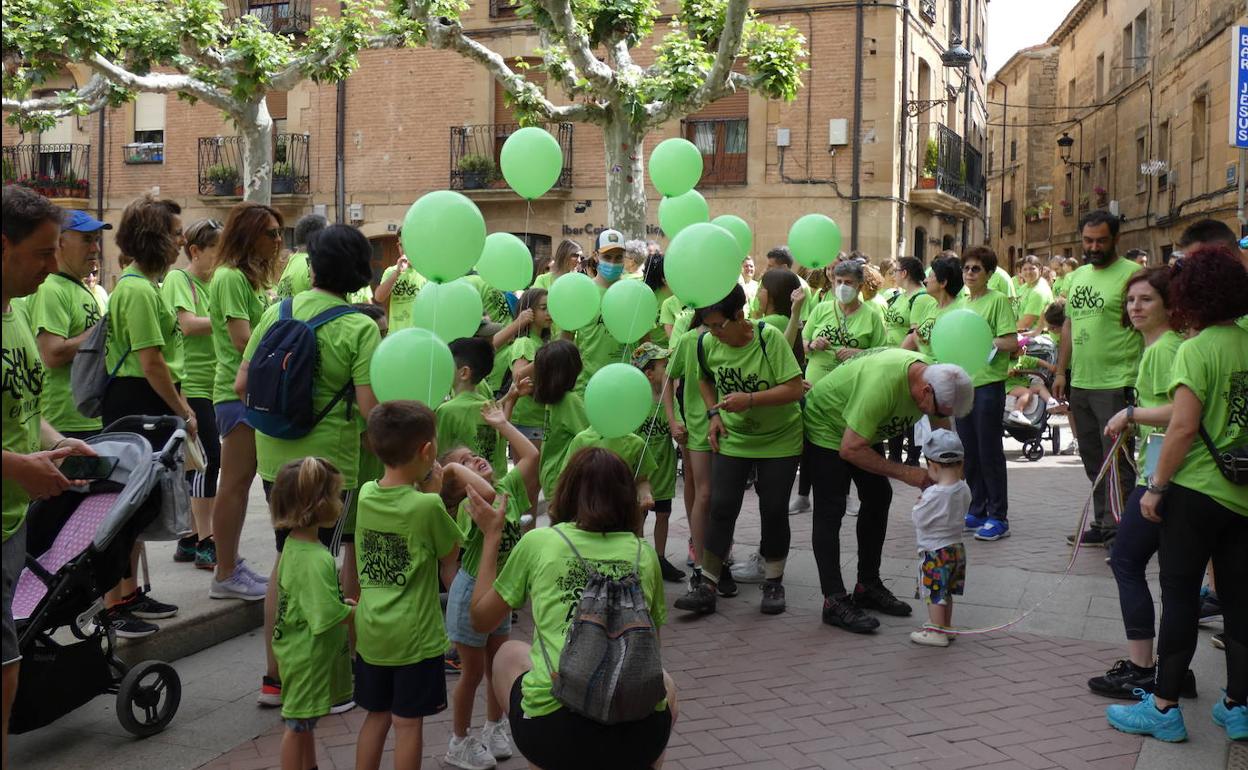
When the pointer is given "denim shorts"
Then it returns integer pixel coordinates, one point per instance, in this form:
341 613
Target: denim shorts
301 725
458 622
230 415
942 574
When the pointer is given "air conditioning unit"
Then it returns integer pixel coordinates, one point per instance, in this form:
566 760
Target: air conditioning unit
838 132
355 212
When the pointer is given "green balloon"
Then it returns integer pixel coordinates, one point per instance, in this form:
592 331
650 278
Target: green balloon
739 229
573 301
532 161
675 214
675 166
702 264
506 263
617 399
815 240
450 310
964 338
412 364
443 234
629 310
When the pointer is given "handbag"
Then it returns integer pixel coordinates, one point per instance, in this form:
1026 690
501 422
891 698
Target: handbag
1233 463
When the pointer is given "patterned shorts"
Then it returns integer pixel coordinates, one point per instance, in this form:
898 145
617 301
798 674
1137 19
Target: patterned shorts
942 574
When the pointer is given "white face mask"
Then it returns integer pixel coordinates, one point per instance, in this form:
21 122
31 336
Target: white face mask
846 293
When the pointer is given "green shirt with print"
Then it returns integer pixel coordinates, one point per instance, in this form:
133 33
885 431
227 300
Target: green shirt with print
402 296
1061 285
562 422
183 291
923 317
670 308
683 365
1025 365
993 307
1104 354
526 412
492 300
862 329
460 424
139 318
659 445
518 502
1034 299
870 395
231 297
345 346
764 431
1214 366
400 534
63 306
630 448
23 390
543 569
897 317
296 276
310 640
1152 389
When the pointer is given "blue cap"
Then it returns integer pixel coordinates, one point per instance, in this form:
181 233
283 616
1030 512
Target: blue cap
84 222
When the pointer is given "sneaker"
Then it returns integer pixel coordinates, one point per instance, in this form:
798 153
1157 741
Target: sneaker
450 662
144 606
342 707
126 625
1052 404
671 573
1210 606
1122 680
727 587
255 577
773 599
1143 718
206 553
1219 641
1093 538
1233 720
840 611
929 637
1073 449
877 597
973 523
185 552
852 504
497 738
751 571
270 692
700 598
993 530
469 753
238 586
1017 418
799 504
689 560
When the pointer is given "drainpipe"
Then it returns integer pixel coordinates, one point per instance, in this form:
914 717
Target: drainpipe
903 132
340 139
99 186
1005 136
856 187
966 113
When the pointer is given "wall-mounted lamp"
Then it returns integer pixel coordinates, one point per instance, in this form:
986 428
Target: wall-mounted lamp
1064 143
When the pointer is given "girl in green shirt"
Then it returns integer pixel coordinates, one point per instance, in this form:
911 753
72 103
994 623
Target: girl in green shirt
556 368
1033 296
528 415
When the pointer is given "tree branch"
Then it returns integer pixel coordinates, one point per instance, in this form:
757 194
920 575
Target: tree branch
93 94
595 71
163 83
717 81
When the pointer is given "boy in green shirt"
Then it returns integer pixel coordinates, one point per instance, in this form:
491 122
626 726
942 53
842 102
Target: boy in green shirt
404 541
656 432
397 291
459 418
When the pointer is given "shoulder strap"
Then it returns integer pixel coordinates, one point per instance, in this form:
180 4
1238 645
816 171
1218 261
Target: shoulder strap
588 569
706 373
325 316
762 340
1213 449
74 280
287 309
191 283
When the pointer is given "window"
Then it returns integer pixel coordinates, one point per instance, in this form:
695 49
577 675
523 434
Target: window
1013 150
1135 44
149 130
1068 199
1100 77
1141 158
1070 96
1163 155
720 131
1200 126
1128 44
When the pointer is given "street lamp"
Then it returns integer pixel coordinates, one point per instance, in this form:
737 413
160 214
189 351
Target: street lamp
1064 143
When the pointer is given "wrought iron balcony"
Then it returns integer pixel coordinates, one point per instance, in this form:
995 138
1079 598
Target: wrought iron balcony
221 165
52 170
288 17
475 151
723 143
959 167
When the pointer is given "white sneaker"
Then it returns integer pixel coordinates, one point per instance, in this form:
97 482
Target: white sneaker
751 571
929 638
851 506
1018 418
470 754
238 585
799 504
1052 403
497 738
256 577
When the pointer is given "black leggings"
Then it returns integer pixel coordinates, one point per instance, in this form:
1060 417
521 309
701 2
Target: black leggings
1195 528
1136 542
773 486
831 476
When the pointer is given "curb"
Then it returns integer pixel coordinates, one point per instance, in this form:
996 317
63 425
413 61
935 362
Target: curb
188 634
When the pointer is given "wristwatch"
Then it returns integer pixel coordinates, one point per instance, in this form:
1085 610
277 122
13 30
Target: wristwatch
1130 414
712 413
1157 488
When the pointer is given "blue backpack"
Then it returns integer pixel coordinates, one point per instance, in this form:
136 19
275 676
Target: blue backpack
282 372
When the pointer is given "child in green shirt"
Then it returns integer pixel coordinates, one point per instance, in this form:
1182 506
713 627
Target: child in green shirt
656 432
459 418
555 370
405 540
310 632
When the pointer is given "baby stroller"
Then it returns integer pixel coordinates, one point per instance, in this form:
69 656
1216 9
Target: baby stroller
1037 430
78 546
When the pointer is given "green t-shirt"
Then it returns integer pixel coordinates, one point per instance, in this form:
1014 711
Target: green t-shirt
659 446
562 422
231 296
402 297
296 276
400 534
1214 366
544 569
1104 354
764 431
543 281
1032 300
993 307
309 638
492 300
630 448
859 330
897 317
1152 389
518 502
1024 363
670 308
460 424
362 296
101 297
776 321
870 394
1061 285
1000 281
526 412
345 346
23 389
923 317
139 318
598 348
64 307
183 291
683 365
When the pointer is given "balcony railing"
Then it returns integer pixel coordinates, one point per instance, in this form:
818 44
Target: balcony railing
475 151
221 165
53 170
288 17
723 143
138 153
959 167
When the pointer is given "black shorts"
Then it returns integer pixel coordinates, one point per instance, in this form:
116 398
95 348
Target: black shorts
662 506
413 691
204 483
324 534
567 741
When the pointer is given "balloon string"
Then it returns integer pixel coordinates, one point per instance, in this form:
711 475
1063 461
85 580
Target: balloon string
667 378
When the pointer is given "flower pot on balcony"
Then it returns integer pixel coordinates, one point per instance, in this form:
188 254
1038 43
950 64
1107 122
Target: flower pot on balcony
283 185
223 187
474 180
927 183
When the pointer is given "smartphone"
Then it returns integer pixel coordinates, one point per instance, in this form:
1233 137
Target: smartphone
83 468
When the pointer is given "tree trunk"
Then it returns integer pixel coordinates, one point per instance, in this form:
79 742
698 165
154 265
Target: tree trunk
626 180
257 130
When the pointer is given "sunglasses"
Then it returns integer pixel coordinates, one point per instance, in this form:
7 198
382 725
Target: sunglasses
972 269
274 232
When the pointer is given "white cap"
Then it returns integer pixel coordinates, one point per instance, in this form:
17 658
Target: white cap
609 239
943 446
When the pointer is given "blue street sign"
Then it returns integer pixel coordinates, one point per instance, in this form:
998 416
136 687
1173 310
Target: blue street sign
1239 87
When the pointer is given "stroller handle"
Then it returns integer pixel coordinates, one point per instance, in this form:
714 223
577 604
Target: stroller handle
148 424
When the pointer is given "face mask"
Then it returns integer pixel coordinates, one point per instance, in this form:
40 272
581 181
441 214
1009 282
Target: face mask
610 272
846 293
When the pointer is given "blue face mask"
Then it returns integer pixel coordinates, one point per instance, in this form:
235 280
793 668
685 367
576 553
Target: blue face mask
610 272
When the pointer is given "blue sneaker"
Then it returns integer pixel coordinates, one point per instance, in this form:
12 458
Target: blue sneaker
1235 720
974 522
1143 718
993 529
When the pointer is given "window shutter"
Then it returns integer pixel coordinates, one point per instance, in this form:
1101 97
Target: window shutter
61 133
149 112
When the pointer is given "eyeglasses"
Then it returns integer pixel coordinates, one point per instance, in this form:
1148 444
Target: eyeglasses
935 403
719 327
274 232
972 269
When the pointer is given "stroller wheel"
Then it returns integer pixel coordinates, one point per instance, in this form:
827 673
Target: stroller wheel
148 697
1033 450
